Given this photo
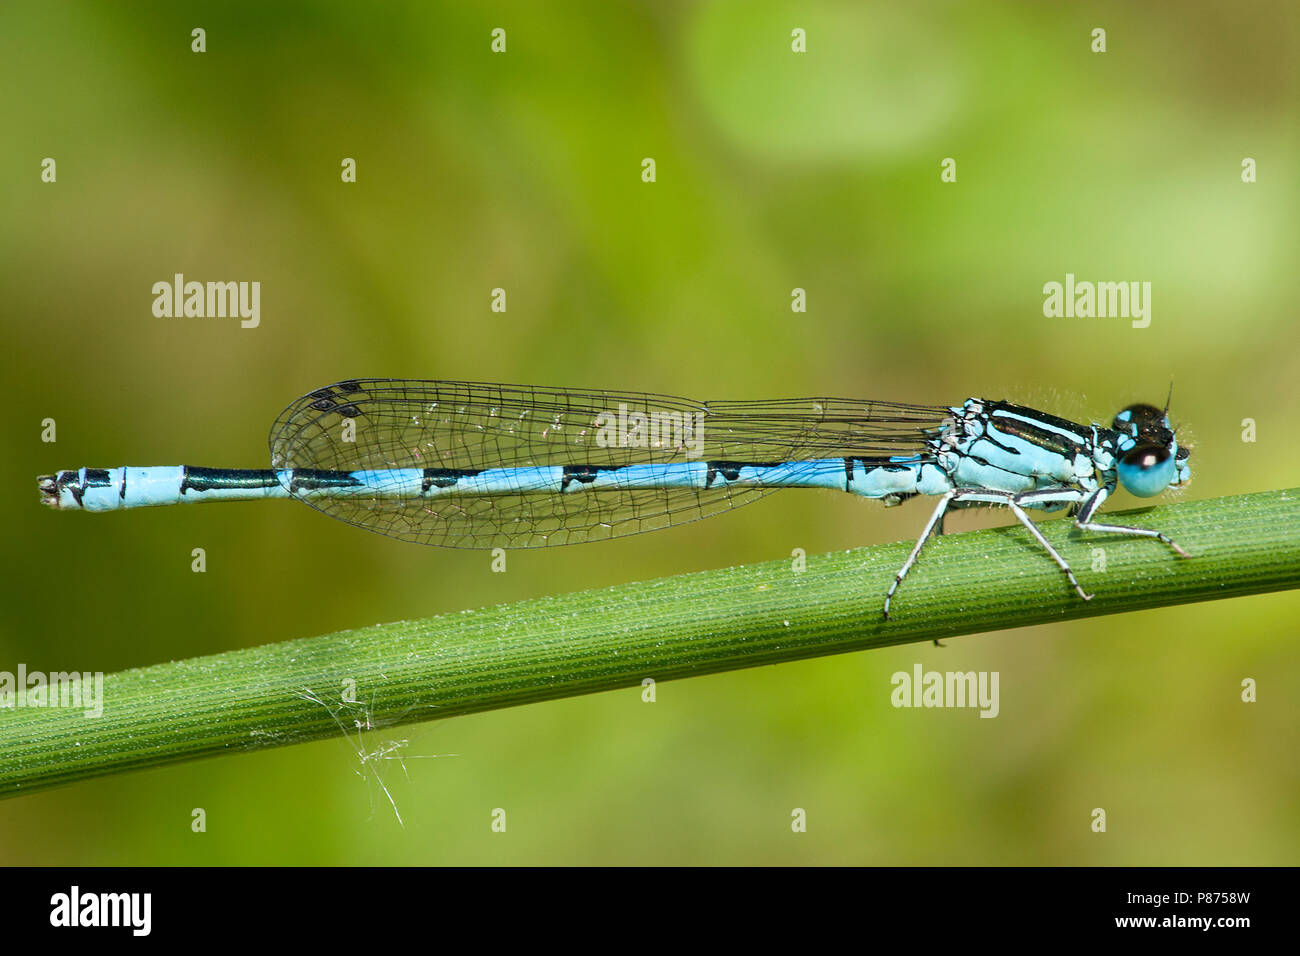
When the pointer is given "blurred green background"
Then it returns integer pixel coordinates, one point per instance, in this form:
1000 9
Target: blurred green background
775 170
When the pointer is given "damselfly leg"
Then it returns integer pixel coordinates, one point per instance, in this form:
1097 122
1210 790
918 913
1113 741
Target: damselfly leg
1017 502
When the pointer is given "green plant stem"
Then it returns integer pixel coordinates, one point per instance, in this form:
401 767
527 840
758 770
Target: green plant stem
667 629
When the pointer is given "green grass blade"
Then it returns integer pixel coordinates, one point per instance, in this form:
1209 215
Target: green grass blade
667 629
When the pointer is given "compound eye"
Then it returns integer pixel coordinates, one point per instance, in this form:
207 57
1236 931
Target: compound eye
1146 470
1137 418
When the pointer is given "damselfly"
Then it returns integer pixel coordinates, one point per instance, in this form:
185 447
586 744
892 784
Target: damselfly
474 465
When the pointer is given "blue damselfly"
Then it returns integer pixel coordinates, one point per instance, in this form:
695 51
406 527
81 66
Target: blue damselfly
476 465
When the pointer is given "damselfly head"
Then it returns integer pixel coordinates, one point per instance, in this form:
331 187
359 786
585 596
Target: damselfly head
1150 459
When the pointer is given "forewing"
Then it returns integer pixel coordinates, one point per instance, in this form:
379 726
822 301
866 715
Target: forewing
378 424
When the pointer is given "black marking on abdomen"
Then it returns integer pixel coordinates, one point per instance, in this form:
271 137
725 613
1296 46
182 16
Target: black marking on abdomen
65 479
194 478
445 477
313 479
95 478
874 464
583 474
730 470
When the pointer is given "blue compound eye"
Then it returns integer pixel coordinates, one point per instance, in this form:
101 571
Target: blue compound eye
1146 470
